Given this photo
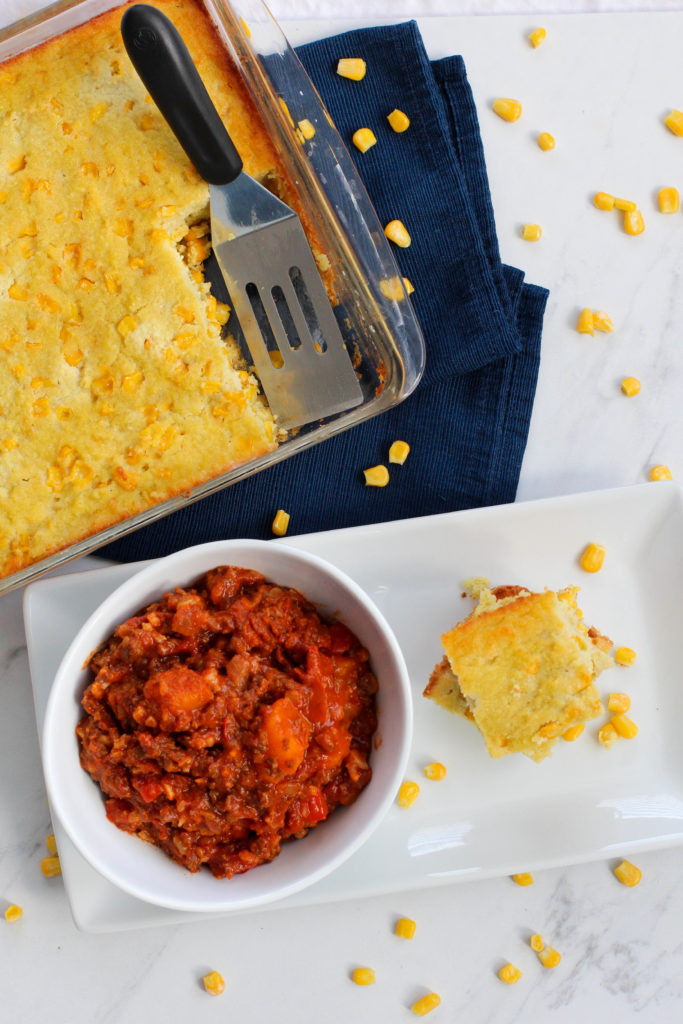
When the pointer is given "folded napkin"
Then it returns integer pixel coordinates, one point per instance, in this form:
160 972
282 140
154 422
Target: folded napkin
467 421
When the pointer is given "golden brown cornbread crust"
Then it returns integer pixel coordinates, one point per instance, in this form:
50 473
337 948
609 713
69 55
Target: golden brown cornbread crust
116 389
522 667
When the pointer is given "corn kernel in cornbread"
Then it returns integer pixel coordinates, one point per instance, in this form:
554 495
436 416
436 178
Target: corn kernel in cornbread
102 296
522 667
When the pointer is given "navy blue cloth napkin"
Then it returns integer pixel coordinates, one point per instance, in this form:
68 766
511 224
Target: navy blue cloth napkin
468 419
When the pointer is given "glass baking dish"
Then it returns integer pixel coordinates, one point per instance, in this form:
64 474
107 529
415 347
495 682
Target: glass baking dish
377 320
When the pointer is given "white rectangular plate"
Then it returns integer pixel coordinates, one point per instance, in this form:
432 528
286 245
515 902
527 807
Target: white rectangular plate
487 817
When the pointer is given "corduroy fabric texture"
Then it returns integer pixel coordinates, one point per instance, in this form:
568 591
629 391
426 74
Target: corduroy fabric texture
468 419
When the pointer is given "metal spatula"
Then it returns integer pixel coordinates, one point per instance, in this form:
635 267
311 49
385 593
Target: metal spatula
269 270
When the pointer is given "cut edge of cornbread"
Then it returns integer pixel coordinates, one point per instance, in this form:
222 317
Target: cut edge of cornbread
521 667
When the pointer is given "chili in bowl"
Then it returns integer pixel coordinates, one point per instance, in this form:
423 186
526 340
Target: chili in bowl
229 726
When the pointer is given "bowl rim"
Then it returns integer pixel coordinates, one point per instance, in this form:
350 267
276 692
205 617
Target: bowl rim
95 626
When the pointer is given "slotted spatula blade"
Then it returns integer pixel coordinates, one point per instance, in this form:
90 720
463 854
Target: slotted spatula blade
274 285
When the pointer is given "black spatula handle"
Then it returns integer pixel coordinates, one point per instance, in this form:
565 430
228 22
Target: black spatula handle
162 61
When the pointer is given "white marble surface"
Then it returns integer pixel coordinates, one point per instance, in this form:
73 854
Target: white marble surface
601 85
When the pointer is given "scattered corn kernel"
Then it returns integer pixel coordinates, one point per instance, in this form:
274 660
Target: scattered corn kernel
363 139
351 67
509 110
674 122
627 873
50 866
624 726
408 794
398 452
592 558
408 286
669 200
398 120
213 983
364 976
280 523
396 232
376 476
630 386
546 141
51 844
618 702
633 222
523 878
607 735
405 928
510 974
435 771
602 322
604 201
306 128
536 943
537 36
660 473
584 324
13 913
549 957
531 232
573 732
426 1004
624 656
625 205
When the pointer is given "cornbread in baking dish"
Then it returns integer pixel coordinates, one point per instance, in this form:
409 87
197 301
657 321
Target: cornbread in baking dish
117 390
521 667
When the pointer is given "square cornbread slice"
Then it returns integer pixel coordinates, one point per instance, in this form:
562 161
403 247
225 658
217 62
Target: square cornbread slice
522 667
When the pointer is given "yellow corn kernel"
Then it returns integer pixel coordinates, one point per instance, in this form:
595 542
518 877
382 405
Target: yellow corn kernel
13 913
536 943
573 732
408 286
537 37
123 227
531 232
604 201
674 122
306 128
168 211
625 205
426 1004
363 139
351 67
15 291
408 794
627 873
633 222
128 481
398 452
619 703
592 558
398 120
98 111
146 122
130 382
624 726
602 322
669 200
50 866
126 325
41 407
396 232
376 476
584 324
280 523
523 878
405 928
630 386
392 288
510 974
546 141
607 735
509 110
17 164
245 28
364 976
660 473
624 656
213 983
435 771
549 957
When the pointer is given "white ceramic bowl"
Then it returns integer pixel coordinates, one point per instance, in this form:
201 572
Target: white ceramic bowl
144 870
